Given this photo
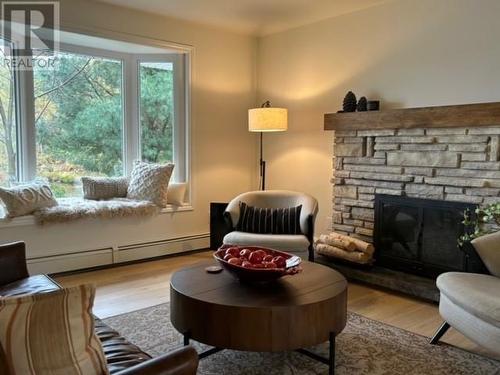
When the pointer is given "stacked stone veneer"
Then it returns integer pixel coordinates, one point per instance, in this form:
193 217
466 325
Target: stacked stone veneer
453 164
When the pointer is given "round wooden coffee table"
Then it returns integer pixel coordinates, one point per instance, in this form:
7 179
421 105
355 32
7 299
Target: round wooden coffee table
292 313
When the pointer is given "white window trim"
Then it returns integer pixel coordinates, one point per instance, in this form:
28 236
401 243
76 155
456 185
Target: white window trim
180 103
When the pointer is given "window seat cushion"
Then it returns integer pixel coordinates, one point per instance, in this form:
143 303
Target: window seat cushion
70 209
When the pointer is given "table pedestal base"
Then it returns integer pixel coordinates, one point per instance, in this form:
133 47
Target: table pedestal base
330 361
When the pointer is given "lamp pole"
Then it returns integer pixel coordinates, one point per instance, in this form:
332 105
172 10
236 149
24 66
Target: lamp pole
262 164
266 104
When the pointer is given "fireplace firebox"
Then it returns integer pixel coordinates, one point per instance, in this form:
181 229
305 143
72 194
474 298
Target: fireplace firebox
420 236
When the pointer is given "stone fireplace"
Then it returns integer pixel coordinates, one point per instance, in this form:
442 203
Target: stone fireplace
450 164
417 157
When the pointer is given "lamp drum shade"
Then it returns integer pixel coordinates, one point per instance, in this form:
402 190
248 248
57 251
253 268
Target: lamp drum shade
267 119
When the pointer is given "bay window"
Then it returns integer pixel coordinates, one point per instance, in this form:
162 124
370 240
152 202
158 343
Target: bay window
91 112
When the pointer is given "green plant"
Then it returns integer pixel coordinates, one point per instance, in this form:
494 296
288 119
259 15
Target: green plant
485 220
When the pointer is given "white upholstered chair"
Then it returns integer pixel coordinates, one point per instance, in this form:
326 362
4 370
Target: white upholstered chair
298 244
470 302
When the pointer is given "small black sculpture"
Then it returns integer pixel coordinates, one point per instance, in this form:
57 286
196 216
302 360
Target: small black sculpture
362 104
373 105
350 102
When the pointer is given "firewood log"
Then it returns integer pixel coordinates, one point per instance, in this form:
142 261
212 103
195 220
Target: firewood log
362 246
335 252
337 242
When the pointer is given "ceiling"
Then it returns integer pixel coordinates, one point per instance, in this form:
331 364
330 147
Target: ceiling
256 17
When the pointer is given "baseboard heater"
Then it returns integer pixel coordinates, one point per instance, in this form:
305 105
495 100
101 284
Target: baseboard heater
164 242
106 255
159 248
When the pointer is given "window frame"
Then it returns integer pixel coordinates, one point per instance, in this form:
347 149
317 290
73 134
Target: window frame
18 87
131 132
179 131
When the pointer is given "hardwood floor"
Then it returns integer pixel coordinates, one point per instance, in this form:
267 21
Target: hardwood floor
132 287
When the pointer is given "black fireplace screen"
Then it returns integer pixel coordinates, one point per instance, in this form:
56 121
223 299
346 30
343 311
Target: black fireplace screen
420 236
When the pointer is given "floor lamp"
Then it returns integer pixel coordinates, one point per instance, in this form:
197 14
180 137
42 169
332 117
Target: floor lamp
266 119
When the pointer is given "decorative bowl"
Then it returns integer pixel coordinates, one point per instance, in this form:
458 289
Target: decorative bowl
258 275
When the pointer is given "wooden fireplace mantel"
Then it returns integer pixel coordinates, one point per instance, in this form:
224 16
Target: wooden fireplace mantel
465 115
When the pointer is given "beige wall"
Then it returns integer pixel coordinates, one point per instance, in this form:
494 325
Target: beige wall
223 156
407 53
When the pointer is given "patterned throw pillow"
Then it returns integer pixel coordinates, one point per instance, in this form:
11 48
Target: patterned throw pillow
51 333
24 199
269 220
149 182
97 188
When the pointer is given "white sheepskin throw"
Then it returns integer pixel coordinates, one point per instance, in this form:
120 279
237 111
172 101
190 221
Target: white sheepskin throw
70 209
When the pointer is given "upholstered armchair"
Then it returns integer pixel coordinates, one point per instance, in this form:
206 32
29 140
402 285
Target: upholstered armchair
470 302
298 244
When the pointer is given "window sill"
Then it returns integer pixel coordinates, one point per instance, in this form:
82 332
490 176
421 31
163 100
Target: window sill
171 208
30 219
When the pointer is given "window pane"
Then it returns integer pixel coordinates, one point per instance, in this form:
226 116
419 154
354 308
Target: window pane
78 118
8 121
156 111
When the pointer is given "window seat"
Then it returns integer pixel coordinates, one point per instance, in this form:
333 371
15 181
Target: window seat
71 209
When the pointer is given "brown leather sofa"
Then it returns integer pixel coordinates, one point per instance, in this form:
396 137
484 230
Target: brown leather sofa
123 358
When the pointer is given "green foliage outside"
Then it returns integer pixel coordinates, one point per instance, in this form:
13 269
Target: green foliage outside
79 120
485 220
156 103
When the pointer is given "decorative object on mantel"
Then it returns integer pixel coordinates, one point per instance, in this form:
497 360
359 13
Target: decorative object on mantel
350 103
347 248
70 209
373 105
362 104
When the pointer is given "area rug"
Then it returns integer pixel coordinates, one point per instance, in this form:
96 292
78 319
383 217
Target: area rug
364 347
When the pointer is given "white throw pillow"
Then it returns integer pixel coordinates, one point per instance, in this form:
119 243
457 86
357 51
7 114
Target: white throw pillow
176 193
97 188
149 182
24 199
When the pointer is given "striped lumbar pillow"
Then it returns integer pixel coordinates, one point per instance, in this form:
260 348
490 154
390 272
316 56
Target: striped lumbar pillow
51 333
269 220
288 220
